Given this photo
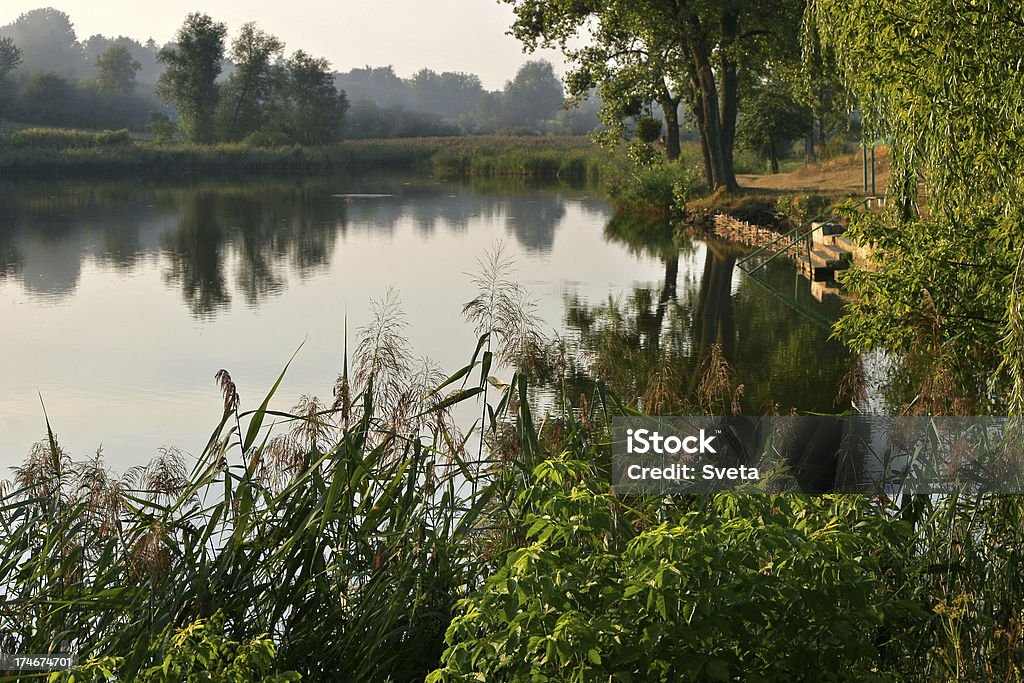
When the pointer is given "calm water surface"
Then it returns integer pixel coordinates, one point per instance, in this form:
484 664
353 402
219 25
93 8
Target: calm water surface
119 301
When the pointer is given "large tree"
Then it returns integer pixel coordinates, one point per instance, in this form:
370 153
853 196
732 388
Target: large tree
117 69
244 94
10 58
664 51
48 42
944 81
189 81
448 94
771 119
535 94
313 108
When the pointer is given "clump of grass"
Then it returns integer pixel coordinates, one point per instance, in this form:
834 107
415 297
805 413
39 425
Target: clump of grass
65 139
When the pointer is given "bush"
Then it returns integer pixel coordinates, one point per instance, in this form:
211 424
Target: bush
661 187
762 588
800 208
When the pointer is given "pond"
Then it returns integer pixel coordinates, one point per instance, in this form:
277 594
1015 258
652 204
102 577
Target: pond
119 301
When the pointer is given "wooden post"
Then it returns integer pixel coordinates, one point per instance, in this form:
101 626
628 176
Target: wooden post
864 158
873 193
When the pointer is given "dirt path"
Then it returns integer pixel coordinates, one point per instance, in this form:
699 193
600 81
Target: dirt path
841 175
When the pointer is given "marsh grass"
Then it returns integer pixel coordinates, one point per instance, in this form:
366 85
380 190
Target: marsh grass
345 533
76 153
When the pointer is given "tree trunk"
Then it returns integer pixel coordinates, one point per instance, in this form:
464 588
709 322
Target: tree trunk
705 150
729 94
670 108
713 320
668 294
708 114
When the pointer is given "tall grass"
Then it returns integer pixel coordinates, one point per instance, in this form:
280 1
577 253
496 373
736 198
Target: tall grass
73 153
360 539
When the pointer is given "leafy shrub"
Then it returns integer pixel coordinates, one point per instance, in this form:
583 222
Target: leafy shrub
764 588
197 652
648 129
800 208
664 186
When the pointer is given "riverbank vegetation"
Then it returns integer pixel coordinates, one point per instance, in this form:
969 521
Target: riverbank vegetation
69 153
366 533
944 290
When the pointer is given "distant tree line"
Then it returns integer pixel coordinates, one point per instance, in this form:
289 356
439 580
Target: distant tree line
202 89
49 77
430 103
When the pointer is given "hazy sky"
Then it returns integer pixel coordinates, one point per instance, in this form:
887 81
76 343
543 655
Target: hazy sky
444 35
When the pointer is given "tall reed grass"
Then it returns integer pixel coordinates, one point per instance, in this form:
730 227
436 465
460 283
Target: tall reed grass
366 539
72 153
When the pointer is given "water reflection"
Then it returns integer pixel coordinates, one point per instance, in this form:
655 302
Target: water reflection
226 239
269 235
656 345
160 285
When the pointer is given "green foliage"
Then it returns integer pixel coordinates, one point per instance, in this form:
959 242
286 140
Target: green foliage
818 84
636 53
798 208
244 96
762 588
117 70
770 120
192 66
48 95
344 537
162 128
569 158
367 120
533 95
660 186
47 40
648 129
200 653
945 283
540 157
308 109
10 57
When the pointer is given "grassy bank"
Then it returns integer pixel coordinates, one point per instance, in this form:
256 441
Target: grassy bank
60 153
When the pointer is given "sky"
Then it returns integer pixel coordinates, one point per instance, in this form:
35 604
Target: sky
443 35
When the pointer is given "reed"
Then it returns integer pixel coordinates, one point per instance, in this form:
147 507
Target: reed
77 153
359 538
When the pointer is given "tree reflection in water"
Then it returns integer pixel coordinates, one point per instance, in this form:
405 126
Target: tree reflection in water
702 340
282 228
